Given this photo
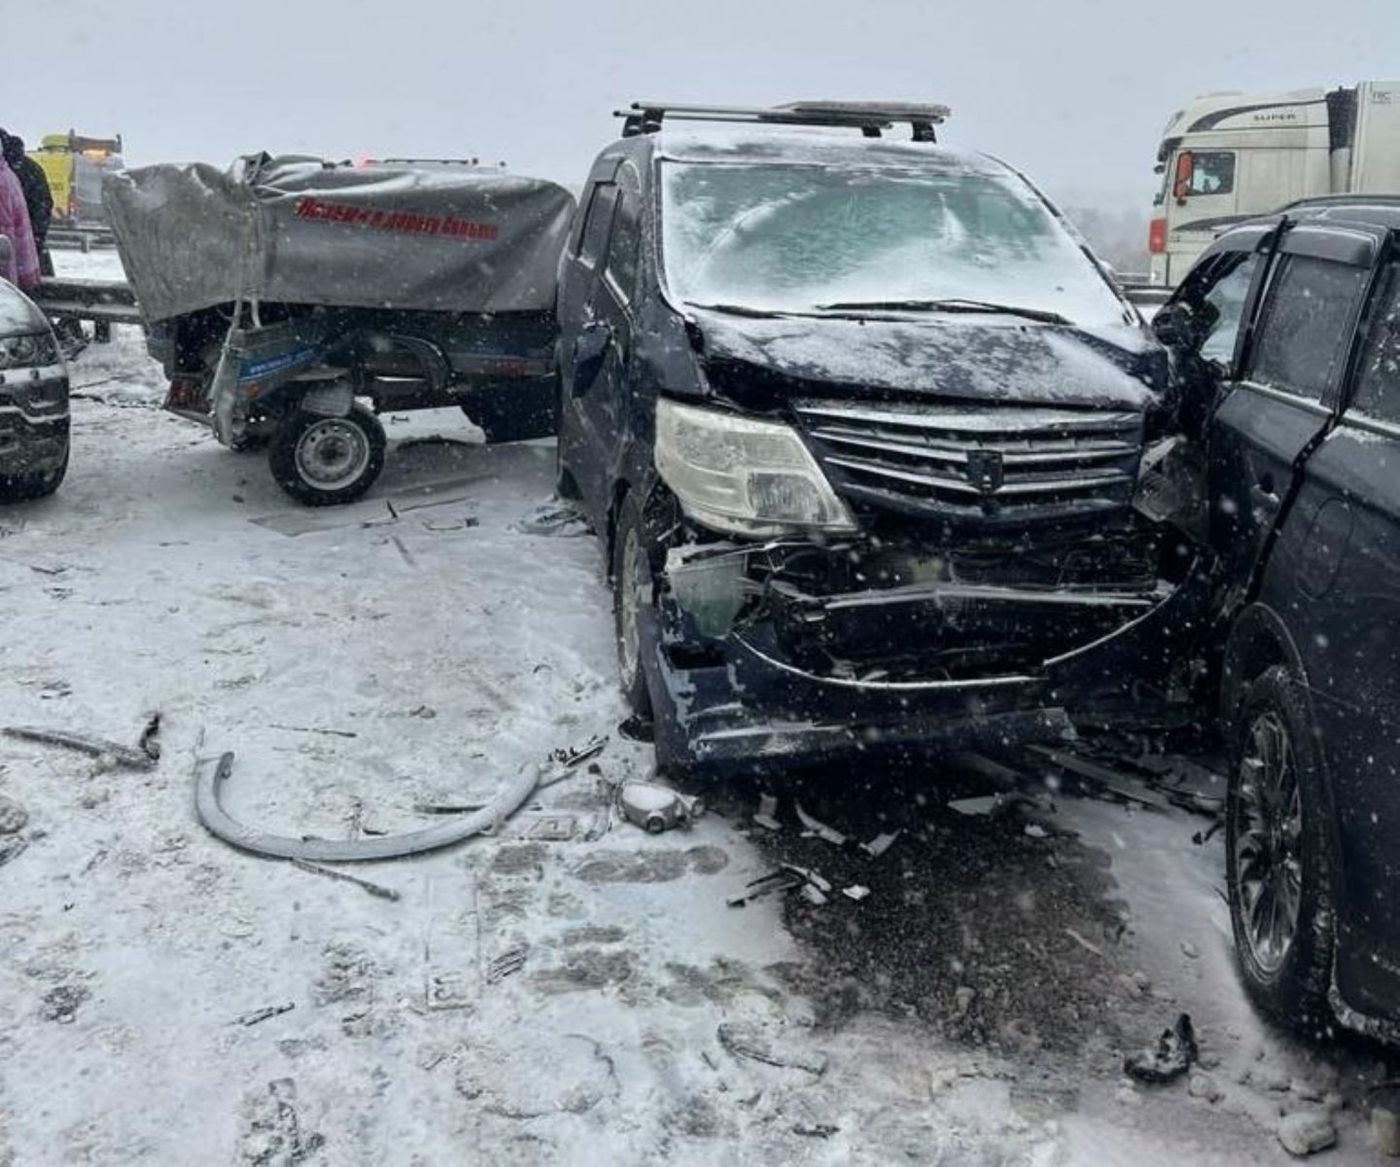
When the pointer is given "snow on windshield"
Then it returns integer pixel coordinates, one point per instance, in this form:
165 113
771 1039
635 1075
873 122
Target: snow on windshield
792 237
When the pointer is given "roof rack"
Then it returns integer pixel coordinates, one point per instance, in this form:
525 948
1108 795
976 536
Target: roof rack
870 117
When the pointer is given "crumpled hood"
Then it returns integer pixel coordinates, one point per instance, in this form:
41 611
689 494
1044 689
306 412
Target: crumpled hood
954 358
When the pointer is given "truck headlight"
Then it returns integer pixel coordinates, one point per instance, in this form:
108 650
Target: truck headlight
742 476
29 351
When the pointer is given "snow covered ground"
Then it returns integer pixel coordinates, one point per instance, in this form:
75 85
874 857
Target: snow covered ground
526 999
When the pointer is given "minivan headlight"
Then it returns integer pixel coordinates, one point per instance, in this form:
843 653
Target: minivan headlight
743 476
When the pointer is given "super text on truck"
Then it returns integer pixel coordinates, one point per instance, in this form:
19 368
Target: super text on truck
1231 156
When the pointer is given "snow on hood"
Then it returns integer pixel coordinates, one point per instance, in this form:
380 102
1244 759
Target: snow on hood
18 314
980 361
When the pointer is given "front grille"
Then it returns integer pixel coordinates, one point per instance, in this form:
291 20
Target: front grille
1003 465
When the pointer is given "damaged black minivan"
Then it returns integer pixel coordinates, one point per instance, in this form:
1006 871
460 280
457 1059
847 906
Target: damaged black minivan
862 422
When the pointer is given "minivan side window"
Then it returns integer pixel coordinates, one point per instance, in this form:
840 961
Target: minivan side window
625 245
1378 371
1306 327
598 224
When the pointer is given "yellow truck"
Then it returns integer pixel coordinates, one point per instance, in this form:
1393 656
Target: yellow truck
74 166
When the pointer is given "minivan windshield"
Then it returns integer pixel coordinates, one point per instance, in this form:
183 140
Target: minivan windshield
794 237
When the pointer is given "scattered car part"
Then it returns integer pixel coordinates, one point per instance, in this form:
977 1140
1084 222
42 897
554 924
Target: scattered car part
512 960
1108 781
748 1041
85 743
374 889
590 749
765 885
212 774
818 828
1172 1056
656 808
259 1015
554 828
855 892
880 843
149 741
767 815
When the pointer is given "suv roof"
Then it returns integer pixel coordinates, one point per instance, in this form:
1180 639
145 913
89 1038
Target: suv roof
1377 210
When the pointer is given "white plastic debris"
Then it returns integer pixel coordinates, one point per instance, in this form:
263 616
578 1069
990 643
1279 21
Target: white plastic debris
881 843
855 892
819 828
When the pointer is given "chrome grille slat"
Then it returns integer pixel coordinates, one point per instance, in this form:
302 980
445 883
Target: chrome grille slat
999 462
1085 481
1013 454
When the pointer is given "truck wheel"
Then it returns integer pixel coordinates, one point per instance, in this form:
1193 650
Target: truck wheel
633 595
1277 859
322 461
40 484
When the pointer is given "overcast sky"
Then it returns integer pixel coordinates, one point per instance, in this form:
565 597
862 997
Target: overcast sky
1075 92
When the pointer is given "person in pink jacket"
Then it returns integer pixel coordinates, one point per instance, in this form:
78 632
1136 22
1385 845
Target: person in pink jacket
22 268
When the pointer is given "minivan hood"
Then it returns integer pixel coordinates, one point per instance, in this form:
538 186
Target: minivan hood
986 359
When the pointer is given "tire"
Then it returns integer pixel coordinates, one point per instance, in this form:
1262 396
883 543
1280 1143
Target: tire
634 642
40 484
1278 853
324 461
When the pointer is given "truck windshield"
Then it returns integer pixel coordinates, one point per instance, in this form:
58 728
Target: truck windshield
789 238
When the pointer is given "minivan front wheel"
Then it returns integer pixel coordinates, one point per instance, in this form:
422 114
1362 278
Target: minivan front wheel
1278 868
323 461
633 598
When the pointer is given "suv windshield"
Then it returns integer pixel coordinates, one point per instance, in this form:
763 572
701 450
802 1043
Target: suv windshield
793 237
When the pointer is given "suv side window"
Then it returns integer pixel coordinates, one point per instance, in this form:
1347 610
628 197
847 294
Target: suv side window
1378 371
1222 306
625 246
596 226
1306 328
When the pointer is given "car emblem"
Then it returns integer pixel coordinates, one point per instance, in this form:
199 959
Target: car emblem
985 470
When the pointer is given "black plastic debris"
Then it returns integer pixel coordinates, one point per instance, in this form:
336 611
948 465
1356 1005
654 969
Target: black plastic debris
1172 1056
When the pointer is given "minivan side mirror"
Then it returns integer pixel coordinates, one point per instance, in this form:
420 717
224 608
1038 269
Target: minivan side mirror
590 347
1174 325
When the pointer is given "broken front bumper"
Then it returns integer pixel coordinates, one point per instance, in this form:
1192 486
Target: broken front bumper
783 683
33 420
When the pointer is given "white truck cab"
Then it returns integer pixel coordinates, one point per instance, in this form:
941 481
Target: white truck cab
1230 156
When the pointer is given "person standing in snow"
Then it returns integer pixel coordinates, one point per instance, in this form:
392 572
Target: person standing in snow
37 196
22 268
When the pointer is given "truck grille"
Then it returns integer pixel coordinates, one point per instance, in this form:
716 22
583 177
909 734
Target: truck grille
995 465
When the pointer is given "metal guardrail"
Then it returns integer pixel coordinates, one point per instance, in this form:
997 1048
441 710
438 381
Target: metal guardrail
104 302
79 238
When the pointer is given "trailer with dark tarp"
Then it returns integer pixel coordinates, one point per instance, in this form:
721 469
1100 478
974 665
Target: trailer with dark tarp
290 300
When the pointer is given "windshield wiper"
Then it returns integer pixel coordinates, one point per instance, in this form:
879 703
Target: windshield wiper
952 305
739 310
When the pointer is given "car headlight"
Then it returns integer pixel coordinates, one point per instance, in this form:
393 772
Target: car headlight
23 352
742 476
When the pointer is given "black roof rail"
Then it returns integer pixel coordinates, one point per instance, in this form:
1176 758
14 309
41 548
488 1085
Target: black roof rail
870 117
1343 200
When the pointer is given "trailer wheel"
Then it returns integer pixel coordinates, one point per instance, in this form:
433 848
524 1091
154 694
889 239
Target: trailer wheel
323 461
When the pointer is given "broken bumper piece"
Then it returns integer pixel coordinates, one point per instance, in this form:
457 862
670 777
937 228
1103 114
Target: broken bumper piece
925 669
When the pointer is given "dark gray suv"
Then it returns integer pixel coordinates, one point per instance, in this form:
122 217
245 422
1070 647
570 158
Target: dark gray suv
1286 334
